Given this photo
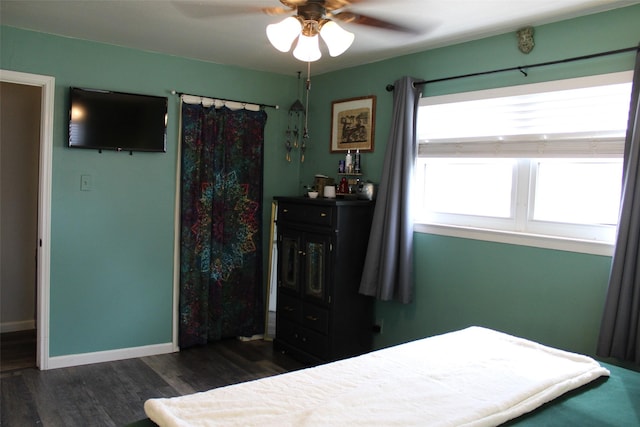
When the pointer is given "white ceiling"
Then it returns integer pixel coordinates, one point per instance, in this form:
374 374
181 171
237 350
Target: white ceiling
232 32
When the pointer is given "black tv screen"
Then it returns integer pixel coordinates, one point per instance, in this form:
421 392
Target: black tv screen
106 120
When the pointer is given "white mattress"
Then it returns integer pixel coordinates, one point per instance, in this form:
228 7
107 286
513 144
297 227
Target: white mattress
472 377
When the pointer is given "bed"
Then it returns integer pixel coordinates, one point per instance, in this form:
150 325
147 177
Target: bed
472 377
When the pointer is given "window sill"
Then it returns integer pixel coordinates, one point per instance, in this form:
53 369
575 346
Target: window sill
513 238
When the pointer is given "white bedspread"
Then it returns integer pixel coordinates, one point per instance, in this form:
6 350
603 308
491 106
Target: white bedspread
472 377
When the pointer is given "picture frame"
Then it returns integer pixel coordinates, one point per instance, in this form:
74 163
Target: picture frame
353 124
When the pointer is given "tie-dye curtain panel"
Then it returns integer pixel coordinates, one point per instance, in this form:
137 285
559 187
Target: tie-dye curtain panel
221 224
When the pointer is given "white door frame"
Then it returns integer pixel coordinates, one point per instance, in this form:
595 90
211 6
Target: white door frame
47 85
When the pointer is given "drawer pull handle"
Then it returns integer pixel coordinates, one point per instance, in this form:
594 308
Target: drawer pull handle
285 210
312 318
323 214
289 309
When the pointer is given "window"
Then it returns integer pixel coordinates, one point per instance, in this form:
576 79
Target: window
539 164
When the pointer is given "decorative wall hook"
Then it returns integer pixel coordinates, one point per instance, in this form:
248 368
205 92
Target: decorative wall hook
525 39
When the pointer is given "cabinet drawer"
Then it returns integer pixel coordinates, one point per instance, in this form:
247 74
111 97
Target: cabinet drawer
304 339
305 214
288 307
315 318
314 343
287 332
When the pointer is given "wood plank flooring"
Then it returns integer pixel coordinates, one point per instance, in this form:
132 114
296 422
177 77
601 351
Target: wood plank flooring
113 393
17 350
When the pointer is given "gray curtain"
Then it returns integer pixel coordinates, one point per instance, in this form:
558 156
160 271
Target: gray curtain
388 269
620 328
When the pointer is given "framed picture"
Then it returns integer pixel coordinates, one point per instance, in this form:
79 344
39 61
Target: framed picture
353 124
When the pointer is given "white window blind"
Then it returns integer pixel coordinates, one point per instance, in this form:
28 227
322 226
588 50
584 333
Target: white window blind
586 119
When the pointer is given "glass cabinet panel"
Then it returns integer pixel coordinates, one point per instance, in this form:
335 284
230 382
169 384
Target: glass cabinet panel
315 268
289 263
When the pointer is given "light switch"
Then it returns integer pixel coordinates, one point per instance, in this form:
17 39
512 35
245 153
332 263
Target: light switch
85 183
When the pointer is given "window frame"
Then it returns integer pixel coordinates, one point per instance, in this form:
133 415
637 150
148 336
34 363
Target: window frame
524 182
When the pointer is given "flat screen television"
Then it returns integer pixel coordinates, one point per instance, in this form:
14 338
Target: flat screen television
107 120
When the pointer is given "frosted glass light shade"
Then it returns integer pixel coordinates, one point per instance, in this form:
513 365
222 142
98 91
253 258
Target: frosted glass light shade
282 34
308 49
337 39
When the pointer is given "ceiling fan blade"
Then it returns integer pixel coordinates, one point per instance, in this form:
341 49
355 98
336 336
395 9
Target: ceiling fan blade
271 11
370 21
331 5
292 4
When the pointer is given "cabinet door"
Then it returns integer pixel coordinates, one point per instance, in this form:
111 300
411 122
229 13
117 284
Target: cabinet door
289 254
316 266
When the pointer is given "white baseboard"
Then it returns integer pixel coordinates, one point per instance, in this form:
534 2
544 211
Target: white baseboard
109 355
252 337
23 325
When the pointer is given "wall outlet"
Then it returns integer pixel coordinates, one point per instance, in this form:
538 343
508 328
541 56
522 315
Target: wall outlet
377 327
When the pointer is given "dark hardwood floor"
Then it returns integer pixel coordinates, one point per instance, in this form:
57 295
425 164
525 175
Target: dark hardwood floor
113 393
17 350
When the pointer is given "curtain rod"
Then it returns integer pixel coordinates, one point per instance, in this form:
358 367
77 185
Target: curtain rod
173 92
522 68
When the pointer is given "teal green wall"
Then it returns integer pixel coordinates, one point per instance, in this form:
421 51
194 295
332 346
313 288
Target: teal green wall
112 247
553 296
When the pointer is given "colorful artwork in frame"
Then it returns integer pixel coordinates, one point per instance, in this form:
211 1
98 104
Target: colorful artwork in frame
353 124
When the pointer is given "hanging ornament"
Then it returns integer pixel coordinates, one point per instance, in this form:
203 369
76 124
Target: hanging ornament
305 132
296 112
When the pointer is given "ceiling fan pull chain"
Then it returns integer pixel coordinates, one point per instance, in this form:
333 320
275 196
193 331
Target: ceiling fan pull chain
305 134
306 116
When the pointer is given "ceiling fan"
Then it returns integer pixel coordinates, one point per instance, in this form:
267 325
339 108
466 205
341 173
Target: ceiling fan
307 19
318 17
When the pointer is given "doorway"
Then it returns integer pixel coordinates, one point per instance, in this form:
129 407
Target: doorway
19 152
26 106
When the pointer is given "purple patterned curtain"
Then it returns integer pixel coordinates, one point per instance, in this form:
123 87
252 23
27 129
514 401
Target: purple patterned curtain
221 224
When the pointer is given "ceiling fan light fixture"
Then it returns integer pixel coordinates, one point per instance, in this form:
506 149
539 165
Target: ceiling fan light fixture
308 48
282 34
338 39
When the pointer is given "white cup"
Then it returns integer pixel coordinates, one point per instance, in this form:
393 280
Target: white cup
330 192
